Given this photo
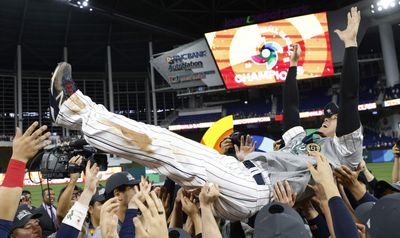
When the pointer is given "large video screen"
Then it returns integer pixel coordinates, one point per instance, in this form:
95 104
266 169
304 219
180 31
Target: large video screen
259 54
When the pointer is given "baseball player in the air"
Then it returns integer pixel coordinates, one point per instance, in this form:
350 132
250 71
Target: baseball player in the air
245 187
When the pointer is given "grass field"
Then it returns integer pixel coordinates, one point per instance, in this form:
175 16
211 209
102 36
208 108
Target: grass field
382 171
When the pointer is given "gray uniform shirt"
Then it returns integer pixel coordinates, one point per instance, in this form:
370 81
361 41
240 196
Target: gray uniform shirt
290 163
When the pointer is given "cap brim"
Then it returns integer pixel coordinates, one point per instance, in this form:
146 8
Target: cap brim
99 199
109 191
25 220
133 182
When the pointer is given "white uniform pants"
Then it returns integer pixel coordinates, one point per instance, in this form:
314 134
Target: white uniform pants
185 161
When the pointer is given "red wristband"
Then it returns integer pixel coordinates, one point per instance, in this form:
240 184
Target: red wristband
15 174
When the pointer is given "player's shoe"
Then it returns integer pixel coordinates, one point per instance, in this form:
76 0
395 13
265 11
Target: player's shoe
61 88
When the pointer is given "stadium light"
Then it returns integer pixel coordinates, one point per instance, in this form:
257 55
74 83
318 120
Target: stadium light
80 3
383 5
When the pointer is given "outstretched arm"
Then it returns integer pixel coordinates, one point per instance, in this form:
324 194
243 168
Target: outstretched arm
209 194
291 117
64 202
25 146
349 118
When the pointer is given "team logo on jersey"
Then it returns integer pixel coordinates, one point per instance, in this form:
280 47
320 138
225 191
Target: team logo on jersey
313 147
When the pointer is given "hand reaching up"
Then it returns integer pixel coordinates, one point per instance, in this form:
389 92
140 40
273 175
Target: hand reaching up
76 160
209 194
295 54
283 193
109 219
189 206
323 175
152 223
140 192
349 35
92 177
246 147
27 145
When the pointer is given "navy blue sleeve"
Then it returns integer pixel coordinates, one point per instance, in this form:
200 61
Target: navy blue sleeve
343 224
352 199
291 116
367 198
67 231
128 228
5 228
349 119
372 185
318 227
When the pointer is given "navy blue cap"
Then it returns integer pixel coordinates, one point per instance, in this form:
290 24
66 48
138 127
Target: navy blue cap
279 220
381 219
23 215
119 179
331 109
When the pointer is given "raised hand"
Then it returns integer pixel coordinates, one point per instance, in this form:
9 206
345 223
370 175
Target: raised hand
152 223
346 176
109 219
396 150
283 193
349 35
27 145
92 177
246 147
209 194
295 54
140 192
189 205
322 173
77 160
348 179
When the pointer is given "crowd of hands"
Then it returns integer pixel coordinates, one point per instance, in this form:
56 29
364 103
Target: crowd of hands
154 203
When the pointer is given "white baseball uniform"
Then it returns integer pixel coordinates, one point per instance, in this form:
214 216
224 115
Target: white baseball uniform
191 164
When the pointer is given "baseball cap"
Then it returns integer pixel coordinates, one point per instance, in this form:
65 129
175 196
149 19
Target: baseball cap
279 220
381 219
119 179
331 109
382 186
363 211
178 233
99 196
22 216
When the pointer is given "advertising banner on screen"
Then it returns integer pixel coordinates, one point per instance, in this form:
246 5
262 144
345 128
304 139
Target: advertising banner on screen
259 54
188 66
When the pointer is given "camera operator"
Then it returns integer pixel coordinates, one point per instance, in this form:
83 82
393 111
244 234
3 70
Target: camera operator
237 145
71 192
